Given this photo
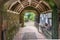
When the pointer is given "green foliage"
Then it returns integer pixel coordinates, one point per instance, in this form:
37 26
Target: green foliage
31 16
13 25
11 31
51 3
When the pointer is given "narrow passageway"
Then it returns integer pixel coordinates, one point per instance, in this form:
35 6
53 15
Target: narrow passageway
14 15
29 32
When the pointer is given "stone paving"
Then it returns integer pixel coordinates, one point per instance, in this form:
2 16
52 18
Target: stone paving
29 32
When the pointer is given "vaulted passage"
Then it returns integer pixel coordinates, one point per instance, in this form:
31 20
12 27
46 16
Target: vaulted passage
29 20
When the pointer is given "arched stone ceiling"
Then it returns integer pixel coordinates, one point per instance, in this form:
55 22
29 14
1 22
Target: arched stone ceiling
18 5
11 1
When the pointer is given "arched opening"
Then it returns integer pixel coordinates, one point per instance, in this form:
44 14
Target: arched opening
34 15
29 18
44 8
47 19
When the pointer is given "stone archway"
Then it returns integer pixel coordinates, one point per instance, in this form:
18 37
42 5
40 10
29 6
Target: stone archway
40 6
32 10
19 6
27 11
10 4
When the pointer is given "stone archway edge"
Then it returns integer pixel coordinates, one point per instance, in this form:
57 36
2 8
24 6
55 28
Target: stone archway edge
19 13
12 12
33 3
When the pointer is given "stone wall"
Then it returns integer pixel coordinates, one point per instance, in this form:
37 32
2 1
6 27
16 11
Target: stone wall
13 25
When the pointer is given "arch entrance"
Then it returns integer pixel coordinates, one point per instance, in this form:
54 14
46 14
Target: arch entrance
29 13
33 5
21 7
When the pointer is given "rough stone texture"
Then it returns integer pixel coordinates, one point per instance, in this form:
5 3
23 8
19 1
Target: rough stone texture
13 22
